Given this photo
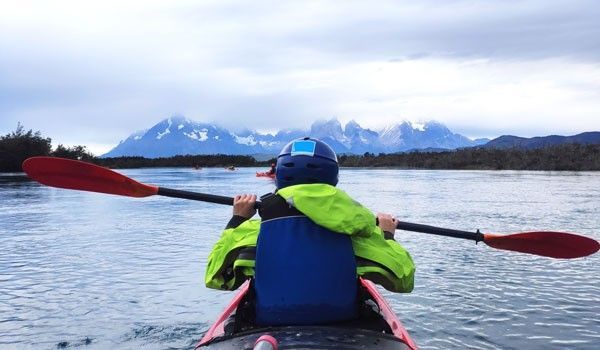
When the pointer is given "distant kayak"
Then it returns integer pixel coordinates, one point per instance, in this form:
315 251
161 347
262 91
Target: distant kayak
265 174
377 327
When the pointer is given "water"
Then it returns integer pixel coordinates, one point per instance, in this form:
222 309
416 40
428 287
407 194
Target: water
94 271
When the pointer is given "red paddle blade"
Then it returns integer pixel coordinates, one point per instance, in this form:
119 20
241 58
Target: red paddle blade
560 245
77 175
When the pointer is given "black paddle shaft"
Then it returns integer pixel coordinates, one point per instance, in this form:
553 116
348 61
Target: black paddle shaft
204 197
406 226
409 226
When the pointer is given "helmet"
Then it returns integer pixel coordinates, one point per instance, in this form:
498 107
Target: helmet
306 161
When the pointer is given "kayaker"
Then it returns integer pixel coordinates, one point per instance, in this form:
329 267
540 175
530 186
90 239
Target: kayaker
312 243
272 170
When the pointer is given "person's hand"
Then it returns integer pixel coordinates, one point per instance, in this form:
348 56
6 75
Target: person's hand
387 222
243 205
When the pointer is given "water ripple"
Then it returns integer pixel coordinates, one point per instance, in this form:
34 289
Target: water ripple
85 270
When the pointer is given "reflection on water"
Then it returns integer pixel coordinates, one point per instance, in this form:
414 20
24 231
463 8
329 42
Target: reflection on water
99 271
12 179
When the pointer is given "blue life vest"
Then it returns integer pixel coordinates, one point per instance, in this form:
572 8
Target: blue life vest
304 273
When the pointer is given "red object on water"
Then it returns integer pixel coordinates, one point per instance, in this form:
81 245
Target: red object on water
265 174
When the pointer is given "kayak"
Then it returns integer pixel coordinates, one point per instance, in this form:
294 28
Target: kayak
265 174
377 327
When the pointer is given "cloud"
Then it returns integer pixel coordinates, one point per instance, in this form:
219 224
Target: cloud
93 72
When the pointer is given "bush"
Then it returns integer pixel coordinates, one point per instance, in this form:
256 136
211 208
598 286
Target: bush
19 145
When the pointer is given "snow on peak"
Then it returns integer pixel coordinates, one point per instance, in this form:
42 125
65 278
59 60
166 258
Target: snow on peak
418 125
248 140
138 135
160 135
200 135
267 143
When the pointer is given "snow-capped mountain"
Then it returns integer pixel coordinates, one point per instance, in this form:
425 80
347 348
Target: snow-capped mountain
406 136
361 140
179 136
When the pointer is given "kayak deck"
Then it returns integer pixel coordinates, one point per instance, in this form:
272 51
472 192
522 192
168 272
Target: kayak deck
376 327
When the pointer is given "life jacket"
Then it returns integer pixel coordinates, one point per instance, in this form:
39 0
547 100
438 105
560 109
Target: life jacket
304 273
385 262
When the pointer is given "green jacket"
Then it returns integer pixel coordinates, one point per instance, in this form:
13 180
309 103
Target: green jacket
382 261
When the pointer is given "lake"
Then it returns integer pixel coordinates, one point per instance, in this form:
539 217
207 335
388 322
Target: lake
95 271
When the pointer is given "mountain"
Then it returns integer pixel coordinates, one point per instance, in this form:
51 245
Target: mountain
178 136
351 139
509 141
409 136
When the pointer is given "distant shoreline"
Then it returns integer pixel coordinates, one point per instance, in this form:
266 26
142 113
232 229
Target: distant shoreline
567 157
581 153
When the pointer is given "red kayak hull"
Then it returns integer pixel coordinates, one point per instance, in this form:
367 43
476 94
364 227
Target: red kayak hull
215 337
265 174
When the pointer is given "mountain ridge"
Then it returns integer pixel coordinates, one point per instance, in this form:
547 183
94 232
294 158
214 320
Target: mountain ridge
179 135
511 141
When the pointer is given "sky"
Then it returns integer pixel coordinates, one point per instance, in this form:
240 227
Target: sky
93 72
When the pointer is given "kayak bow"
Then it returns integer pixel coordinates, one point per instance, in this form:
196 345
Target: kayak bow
376 327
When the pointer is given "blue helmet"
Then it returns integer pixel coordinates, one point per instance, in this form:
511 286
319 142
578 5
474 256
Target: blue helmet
306 161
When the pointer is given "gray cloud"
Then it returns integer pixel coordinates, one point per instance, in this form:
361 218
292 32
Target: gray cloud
94 72
391 30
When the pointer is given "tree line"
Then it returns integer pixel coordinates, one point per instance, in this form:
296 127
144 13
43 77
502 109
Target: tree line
19 145
188 161
570 156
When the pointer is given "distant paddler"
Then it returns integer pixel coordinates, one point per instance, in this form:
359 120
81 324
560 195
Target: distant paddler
269 173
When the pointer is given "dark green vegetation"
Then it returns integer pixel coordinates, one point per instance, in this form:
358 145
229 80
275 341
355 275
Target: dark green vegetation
189 161
19 145
560 157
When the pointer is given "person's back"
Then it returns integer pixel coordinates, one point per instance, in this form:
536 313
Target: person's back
304 273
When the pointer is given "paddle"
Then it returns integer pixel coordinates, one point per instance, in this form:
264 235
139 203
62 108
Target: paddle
560 245
77 175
